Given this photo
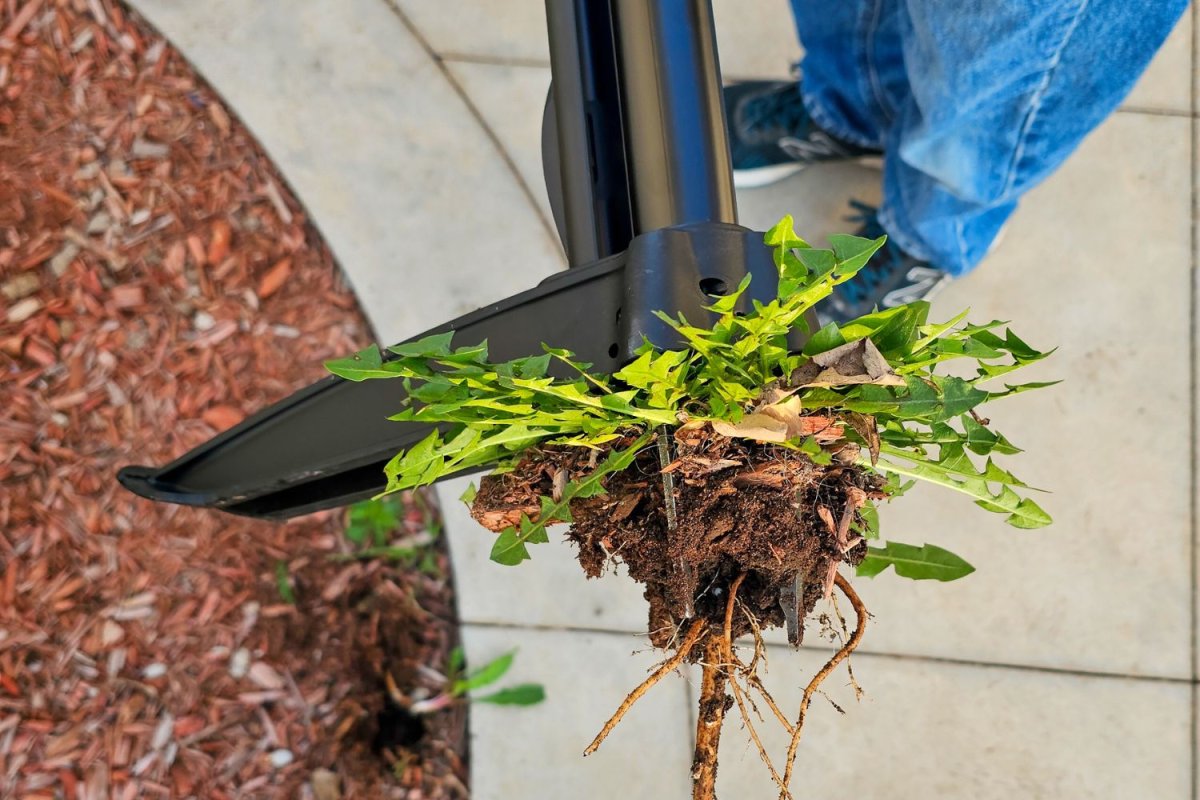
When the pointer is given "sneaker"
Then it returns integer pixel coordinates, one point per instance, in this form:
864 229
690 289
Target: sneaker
892 277
771 135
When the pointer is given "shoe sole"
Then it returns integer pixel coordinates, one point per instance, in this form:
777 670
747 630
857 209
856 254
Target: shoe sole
765 176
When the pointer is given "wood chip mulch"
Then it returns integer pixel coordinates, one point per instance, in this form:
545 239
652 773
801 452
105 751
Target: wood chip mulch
159 282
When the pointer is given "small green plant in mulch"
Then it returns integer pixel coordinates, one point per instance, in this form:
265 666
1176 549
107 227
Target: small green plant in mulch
463 685
372 527
732 476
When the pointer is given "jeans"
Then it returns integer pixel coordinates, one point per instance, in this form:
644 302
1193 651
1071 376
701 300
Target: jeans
974 102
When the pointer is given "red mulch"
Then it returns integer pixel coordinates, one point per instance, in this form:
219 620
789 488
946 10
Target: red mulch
159 282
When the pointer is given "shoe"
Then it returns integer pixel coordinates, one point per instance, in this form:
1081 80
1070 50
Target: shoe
771 135
891 278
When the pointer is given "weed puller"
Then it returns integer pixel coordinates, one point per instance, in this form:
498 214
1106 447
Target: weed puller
717 445
638 172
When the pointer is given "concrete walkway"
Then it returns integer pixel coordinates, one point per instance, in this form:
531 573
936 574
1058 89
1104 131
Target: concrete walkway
1064 668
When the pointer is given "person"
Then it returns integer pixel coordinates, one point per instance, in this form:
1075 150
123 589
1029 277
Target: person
969 104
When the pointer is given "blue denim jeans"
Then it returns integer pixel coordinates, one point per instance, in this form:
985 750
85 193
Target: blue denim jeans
974 102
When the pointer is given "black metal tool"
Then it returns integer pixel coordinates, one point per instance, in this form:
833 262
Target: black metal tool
638 171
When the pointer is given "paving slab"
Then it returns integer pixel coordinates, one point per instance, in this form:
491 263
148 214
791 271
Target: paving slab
511 99
941 731
549 590
1167 85
756 39
536 752
1107 587
387 158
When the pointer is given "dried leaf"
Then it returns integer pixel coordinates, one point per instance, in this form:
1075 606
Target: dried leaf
848 364
780 422
865 427
558 484
759 426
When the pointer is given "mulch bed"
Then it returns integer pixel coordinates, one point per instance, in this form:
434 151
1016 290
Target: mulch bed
159 282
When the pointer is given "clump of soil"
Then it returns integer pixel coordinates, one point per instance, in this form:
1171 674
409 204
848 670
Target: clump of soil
729 536
720 508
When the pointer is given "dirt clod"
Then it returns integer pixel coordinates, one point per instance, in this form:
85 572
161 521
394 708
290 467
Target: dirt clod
740 506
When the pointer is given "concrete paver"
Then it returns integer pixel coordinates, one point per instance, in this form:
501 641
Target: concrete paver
375 142
537 752
940 731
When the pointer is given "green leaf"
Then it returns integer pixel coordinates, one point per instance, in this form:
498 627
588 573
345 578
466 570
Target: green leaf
870 516
817 262
283 581
853 252
365 364
927 562
1021 387
509 548
456 662
783 235
524 694
432 346
1026 514
953 470
489 673
824 340
486 415
727 303
958 397
372 520
468 495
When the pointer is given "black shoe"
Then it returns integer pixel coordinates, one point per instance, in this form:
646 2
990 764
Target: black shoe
891 278
772 136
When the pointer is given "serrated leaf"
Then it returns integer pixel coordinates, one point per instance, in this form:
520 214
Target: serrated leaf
927 562
432 346
817 262
727 303
958 397
488 414
363 365
956 472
